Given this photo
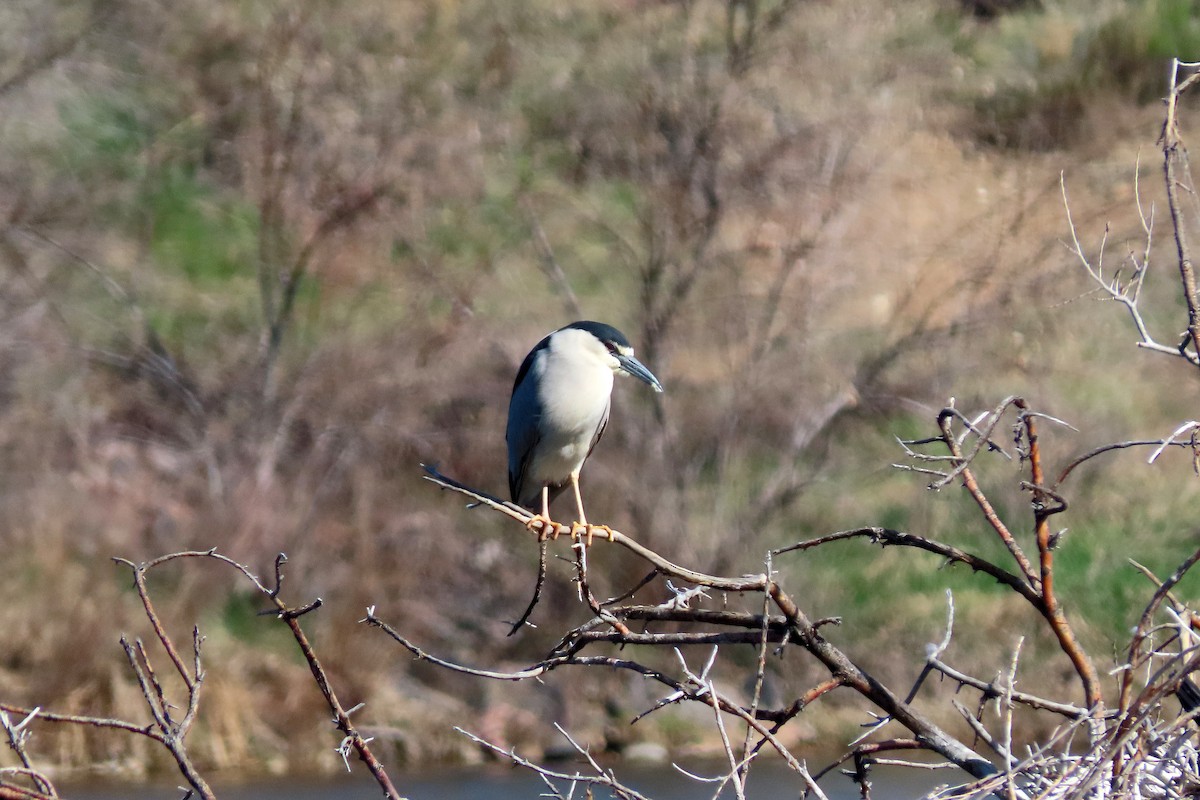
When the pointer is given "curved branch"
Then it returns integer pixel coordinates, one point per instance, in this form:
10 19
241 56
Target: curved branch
749 583
93 722
887 536
537 589
1108 448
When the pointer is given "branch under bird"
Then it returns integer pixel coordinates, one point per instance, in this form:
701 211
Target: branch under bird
558 412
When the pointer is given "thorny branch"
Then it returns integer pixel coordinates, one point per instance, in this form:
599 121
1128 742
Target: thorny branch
1036 585
954 555
800 630
1051 608
945 420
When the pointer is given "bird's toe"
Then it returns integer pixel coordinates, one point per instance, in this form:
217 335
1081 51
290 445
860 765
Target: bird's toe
543 526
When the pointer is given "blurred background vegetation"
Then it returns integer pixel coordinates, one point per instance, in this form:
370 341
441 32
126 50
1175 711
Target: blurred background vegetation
261 260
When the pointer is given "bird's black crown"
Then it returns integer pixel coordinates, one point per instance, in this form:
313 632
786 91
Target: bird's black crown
603 332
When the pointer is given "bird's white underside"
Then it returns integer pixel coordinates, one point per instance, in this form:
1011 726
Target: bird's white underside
588 368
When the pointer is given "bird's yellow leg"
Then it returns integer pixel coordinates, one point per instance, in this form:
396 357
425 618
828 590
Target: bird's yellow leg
545 527
581 526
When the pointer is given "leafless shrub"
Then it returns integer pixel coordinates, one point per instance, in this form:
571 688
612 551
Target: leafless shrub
168 727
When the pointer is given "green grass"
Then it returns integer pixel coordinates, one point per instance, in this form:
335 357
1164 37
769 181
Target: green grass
1036 71
242 617
207 235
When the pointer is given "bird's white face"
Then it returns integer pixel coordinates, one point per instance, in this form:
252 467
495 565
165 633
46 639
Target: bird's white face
586 352
583 346
611 352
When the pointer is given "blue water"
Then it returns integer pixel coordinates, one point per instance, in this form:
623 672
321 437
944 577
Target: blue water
769 780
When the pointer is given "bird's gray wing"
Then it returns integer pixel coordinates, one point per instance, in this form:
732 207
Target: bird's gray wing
600 428
524 415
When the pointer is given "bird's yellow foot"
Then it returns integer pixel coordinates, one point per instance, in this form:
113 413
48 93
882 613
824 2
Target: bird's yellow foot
587 531
544 527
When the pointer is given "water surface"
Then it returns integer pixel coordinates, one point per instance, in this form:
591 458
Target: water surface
769 780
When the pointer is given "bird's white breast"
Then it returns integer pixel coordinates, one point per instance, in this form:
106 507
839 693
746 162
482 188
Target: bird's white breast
576 381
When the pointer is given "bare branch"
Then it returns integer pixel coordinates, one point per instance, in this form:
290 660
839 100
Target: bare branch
801 627
1050 607
1177 172
991 691
973 488
602 777
887 536
17 734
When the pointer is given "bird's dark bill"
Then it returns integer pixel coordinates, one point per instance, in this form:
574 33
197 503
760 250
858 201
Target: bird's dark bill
637 369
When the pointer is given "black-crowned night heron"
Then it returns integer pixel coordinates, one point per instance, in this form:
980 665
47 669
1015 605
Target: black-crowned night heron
558 411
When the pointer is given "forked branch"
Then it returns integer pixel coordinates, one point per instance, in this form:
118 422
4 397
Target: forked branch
800 629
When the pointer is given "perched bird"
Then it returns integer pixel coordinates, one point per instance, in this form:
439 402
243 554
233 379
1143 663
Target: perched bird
558 411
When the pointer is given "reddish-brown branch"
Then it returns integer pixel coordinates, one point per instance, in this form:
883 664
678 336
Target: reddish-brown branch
945 419
802 702
1050 608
